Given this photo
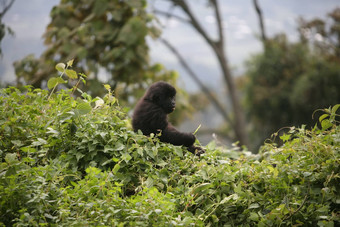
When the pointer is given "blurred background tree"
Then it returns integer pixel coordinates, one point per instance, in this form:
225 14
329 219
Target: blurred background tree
5 5
107 40
288 81
235 128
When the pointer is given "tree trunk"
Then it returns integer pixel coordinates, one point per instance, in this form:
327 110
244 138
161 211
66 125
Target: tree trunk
262 28
239 125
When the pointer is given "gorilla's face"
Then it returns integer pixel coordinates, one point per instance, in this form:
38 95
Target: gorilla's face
163 95
168 104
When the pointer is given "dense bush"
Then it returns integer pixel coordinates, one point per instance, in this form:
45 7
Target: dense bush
75 161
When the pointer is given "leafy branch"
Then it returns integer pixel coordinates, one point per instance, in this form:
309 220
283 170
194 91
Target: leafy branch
53 82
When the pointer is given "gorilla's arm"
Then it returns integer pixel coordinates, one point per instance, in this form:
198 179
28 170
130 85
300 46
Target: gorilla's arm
173 136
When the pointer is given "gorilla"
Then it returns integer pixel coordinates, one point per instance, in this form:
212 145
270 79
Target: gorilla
151 116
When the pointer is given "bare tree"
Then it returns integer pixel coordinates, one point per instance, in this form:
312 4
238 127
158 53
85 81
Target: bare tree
261 22
5 6
237 123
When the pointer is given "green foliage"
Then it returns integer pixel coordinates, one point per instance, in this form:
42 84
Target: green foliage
286 84
323 35
107 39
288 81
69 161
5 30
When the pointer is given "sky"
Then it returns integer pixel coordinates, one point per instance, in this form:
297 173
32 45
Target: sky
28 20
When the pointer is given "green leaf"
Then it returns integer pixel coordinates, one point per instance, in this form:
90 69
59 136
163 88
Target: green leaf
17 143
82 75
326 124
254 216
60 67
149 182
119 146
285 137
323 116
84 108
115 168
71 73
107 87
238 189
202 187
51 83
335 108
39 142
154 151
140 151
54 81
133 31
70 63
178 151
11 158
79 156
98 103
28 149
254 206
126 157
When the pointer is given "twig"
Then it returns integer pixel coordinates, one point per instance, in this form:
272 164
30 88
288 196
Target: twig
297 210
171 15
260 15
6 8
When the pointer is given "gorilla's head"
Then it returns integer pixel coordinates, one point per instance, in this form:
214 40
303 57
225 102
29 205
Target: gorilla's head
163 95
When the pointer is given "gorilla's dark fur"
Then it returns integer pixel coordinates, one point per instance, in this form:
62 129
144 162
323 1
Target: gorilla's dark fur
150 116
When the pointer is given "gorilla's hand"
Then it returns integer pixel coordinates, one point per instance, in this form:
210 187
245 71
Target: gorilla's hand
196 150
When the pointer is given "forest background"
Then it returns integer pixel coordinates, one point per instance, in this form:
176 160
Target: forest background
269 86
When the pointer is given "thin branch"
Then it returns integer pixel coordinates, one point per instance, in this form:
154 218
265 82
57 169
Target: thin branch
260 15
219 22
6 8
219 50
194 21
159 12
210 96
297 210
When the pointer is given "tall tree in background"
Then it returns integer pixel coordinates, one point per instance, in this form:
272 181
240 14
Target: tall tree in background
105 37
236 121
4 7
261 22
288 81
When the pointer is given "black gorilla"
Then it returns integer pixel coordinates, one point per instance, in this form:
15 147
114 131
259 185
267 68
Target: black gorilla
150 116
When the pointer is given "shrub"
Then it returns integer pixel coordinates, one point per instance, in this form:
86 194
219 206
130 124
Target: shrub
75 161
